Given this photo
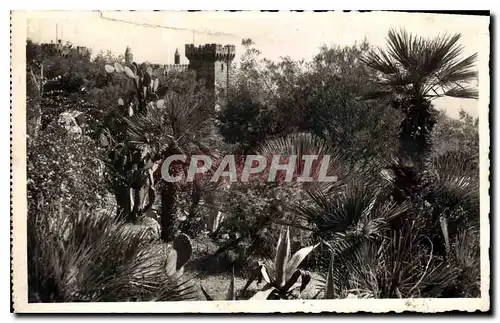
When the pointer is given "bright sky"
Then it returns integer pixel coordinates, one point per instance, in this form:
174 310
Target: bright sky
298 35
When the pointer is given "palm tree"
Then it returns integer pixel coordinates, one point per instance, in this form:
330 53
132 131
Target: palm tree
412 72
176 124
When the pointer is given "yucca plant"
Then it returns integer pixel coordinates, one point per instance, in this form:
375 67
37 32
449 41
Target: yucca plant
90 257
282 276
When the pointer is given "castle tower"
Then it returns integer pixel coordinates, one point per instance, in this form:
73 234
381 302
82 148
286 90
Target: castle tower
177 57
129 58
211 62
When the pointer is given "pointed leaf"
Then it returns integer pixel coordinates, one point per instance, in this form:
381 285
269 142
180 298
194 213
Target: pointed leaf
256 274
444 228
297 259
329 292
265 275
207 296
120 101
282 257
146 81
129 72
262 295
130 111
249 282
305 278
118 68
109 68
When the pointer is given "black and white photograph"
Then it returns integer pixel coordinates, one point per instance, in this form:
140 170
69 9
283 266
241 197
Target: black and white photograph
250 161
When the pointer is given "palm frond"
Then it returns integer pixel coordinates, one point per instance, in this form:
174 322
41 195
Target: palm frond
358 209
454 178
92 257
413 65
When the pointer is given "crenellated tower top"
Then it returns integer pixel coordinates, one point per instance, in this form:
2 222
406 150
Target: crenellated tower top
210 52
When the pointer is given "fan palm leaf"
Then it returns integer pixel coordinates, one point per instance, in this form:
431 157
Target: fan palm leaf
92 257
306 144
428 68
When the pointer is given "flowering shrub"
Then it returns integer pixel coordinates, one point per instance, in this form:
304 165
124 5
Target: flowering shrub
63 167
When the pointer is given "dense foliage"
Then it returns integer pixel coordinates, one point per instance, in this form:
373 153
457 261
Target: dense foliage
400 221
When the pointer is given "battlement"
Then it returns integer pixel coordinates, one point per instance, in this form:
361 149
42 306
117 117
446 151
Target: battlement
175 67
59 48
214 52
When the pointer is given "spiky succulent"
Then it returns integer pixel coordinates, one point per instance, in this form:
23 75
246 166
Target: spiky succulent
282 276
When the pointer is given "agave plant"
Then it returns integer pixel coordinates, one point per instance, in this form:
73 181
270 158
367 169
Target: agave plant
281 277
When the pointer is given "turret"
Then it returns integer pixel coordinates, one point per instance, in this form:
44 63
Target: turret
177 57
212 62
211 52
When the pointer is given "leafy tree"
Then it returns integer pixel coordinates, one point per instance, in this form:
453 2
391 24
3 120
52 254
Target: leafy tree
247 116
327 101
456 134
272 99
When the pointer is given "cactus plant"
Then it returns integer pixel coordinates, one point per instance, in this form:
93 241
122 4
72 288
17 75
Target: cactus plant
135 191
285 273
145 80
